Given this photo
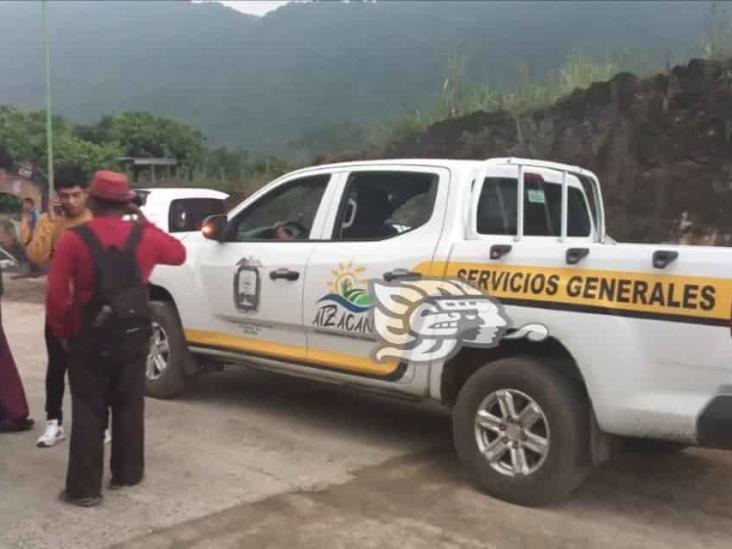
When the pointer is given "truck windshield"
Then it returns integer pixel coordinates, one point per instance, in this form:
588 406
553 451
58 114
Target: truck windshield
497 211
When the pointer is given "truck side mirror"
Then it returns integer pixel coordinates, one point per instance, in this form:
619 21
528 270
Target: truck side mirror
214 227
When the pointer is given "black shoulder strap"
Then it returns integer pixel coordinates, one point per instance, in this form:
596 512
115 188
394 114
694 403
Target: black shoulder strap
134 238
91 240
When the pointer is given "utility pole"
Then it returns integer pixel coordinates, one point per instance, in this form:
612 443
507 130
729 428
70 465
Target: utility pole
49 116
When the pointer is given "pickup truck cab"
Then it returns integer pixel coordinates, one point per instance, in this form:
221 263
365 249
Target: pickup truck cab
593 341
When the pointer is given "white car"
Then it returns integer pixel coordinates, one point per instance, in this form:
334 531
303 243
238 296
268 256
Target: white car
431 279
180 210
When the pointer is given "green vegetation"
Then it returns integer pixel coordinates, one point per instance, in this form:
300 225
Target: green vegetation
23 135
457 98
259 97
262 83
101 145
578 71
144 135
239 172
717 33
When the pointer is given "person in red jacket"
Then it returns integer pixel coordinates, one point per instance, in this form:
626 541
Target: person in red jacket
98 382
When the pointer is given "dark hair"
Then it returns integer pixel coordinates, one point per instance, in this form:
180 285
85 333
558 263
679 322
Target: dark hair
30 201
70 176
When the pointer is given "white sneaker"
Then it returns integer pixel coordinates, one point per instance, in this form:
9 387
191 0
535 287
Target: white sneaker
107 436
54 433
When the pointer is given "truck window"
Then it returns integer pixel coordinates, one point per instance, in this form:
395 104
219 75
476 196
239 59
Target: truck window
187 214
379 205
286 213
497 208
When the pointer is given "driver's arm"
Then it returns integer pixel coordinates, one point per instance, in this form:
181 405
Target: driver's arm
280 232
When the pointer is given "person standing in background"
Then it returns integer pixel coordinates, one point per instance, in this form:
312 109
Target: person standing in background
29 220
66 211
13 403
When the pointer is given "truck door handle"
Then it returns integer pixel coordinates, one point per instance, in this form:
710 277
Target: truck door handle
499 250
401 273
663 258
575 255
285 274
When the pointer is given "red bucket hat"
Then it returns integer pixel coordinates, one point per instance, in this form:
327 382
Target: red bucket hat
112 186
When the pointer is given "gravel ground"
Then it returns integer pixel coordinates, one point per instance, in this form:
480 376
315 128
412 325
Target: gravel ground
248 459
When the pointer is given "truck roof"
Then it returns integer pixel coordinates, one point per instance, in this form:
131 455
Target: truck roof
457 164
183 192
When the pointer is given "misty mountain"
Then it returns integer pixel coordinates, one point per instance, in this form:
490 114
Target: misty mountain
262 82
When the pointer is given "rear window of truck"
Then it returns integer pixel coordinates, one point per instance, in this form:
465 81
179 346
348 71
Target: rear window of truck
497 208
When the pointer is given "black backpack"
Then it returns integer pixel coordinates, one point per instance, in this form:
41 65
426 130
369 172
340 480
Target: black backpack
116 323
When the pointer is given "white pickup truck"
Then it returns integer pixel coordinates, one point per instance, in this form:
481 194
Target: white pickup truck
382 275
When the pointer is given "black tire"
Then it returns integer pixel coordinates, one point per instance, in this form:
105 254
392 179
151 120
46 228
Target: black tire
172 380
566 410
653 447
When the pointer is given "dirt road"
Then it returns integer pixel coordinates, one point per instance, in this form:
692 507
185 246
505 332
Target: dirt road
248 459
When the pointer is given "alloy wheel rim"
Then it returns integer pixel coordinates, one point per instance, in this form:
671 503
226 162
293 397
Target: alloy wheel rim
512 433
159 355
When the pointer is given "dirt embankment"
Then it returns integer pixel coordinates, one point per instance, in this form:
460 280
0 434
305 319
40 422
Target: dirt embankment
661 147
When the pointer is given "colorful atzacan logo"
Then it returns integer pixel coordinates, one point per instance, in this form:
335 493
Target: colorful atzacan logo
344 307
348 290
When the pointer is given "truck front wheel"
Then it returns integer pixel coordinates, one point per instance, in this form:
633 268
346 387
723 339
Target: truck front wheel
521 429
164 373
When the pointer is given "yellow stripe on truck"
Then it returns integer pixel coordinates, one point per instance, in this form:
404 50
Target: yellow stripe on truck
646 293
293 353
666 297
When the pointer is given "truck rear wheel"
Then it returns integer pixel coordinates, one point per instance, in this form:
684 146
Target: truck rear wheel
522 431
165 377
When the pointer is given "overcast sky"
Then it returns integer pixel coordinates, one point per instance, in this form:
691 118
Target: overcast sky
254 8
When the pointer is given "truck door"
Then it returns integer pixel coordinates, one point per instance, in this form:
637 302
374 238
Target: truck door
386 225
254 280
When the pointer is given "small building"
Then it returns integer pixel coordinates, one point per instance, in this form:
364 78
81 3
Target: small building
149 170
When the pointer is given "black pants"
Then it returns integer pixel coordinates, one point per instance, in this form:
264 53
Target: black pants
95 386
55 377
